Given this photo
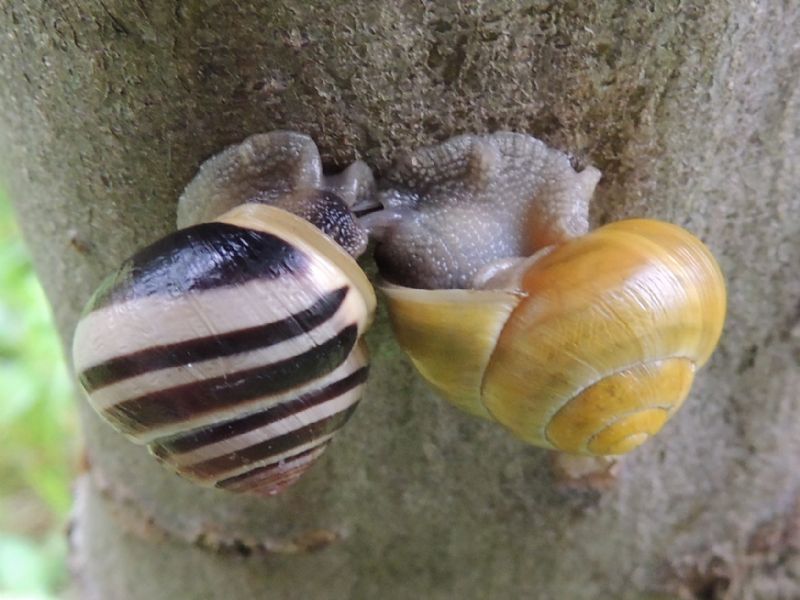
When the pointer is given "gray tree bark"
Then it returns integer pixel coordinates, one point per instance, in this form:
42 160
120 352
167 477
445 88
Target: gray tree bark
692 112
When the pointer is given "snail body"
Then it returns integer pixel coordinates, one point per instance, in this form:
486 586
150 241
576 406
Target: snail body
232 347
587 345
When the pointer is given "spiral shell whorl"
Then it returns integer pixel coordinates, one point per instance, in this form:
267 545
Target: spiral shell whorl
604 349
586 342
594 351
230 348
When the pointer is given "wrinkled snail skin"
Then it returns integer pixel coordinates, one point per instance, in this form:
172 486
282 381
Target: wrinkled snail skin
587 347
232 348
452 209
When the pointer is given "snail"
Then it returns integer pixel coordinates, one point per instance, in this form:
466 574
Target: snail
232 347
584 342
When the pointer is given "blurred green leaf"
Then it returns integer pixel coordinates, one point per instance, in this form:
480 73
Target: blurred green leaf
17 391
37 426
24 568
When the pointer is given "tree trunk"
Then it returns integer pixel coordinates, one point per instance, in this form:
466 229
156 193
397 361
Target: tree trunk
690 109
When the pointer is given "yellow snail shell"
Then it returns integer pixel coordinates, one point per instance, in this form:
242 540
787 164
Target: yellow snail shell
594 355
590 344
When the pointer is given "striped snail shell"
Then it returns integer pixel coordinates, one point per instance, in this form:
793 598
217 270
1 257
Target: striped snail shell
581 342
232 347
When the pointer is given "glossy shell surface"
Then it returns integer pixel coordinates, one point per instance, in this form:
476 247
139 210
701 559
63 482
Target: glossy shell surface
593 350
230 348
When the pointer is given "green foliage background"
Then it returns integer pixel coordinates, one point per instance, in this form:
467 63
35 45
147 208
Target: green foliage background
38 431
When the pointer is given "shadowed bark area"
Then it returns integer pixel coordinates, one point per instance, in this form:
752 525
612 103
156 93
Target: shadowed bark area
691 111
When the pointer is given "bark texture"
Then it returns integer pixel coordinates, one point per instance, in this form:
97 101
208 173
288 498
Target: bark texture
690 109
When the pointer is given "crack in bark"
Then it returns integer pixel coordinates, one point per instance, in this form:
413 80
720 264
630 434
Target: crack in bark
135 520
